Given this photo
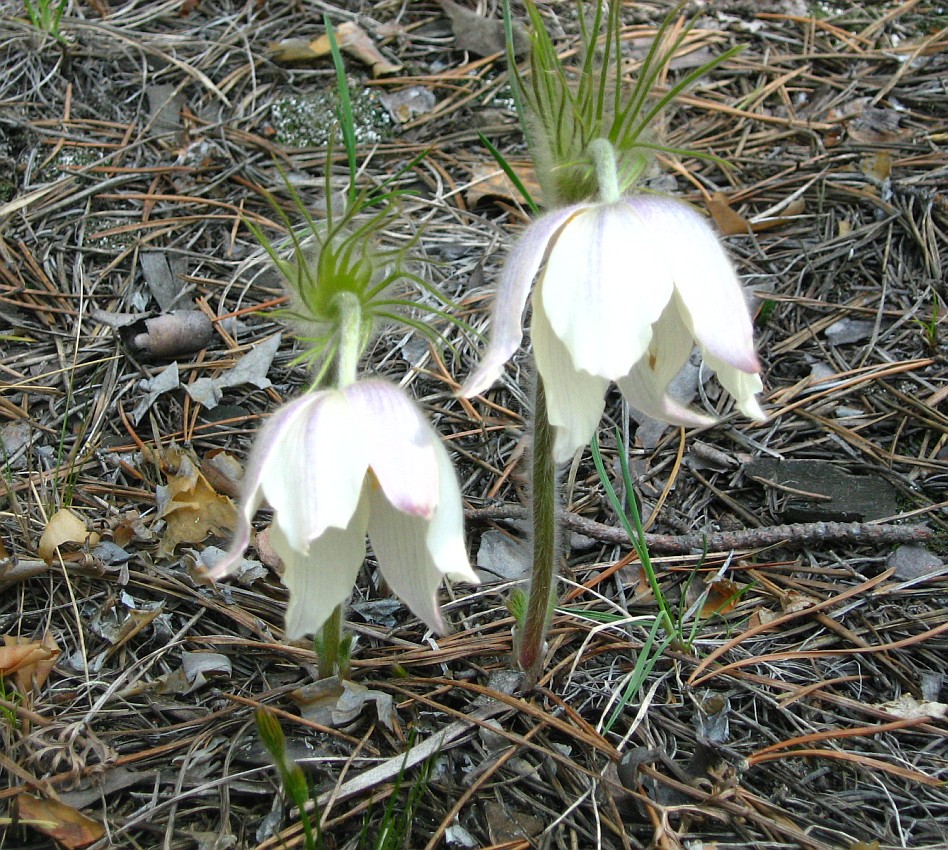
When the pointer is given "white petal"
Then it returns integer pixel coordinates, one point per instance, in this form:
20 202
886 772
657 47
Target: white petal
646 384
445 537
511 297
322 578
705 279
267 444
400 543
313 478
574 400
401 445
605 282
743 386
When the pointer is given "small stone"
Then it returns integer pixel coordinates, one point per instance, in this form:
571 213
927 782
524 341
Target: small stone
912 561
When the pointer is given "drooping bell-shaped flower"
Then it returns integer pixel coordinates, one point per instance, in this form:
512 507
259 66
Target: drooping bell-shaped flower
627 288
337 465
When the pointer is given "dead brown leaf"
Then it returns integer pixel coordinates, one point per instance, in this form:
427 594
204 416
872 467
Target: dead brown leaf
723 596
727 221
731 223
489 180
28 661
67 825
223 472
190 506
878 166
63 528
350 37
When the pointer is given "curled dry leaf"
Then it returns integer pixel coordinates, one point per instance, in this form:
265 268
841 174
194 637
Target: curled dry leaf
337 702
403 105
349 36
223 472
723 596
29 662
908 707
191 507
63 528
731 223
483 36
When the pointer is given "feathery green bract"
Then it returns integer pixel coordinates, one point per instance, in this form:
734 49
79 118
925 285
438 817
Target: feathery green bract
564 108
343 254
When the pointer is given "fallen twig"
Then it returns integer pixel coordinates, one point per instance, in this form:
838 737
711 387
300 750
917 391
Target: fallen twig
796 534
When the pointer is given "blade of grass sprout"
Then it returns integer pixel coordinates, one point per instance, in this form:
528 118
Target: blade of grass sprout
291 775
398 817
587 93
685 152
551 71
636 533
433 311
298 202
511 174
346 119
429 288
644 663
647 566
432 334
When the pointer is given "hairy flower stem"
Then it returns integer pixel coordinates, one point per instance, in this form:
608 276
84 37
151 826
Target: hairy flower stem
532 638
349 312
328 646
603 155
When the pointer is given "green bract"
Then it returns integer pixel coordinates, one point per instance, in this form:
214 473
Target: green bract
567 108
334 265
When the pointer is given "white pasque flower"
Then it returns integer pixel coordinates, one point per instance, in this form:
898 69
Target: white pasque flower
626 291
336 465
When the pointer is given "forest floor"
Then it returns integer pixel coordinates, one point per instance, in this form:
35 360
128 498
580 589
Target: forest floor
805 556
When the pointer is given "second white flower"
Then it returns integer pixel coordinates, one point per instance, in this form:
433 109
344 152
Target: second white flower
626 291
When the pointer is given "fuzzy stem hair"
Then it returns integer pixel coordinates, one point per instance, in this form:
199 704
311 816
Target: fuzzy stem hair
532 637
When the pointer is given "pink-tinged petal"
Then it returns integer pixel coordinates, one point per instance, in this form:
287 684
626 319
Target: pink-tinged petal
445 537
705 279
641 392
235 554
605 282
743 386
314 474
510 299
322 578
574 400
401 445
399 543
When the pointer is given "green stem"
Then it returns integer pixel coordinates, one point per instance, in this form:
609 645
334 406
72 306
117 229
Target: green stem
603 155
532 637
328 646
349 312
